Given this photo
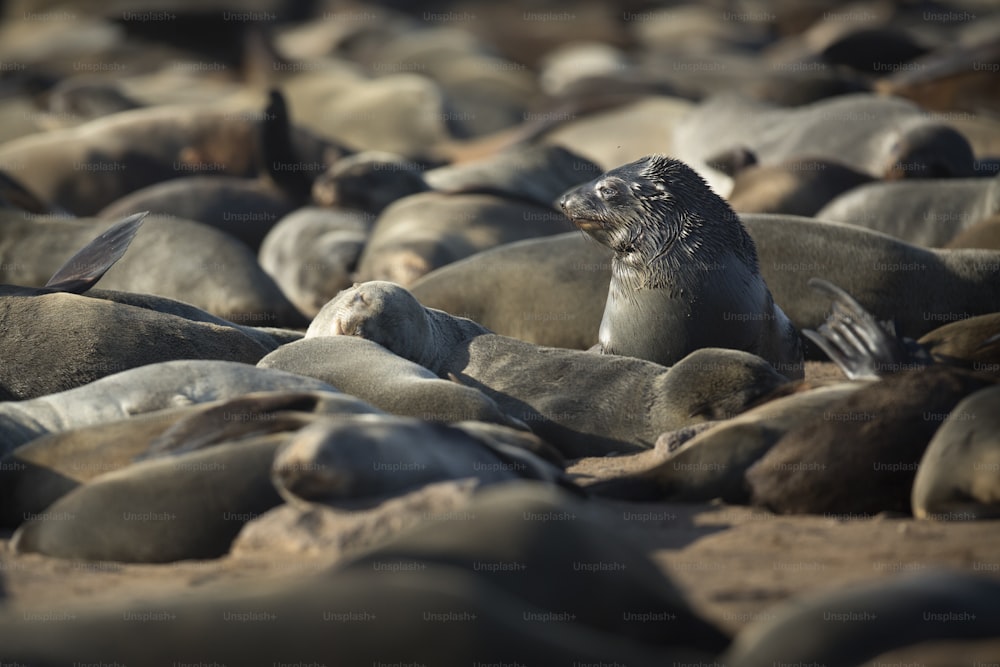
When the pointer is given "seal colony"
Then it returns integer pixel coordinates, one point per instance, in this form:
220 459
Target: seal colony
684 273
412 467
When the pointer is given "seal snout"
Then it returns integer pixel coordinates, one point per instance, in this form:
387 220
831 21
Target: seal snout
575 206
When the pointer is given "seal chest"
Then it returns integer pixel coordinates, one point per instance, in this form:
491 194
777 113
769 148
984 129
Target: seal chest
684 274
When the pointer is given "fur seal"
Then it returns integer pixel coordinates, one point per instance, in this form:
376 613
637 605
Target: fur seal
37 474
928 213
369 458
139 390
800 186
84 168
861 455
312 253
421 232
367 370
957 478
714 462
884 137
605 402
489 288
368 181
432 572
169 257
162 510
244 208
44 356
854 625
684 273
918 288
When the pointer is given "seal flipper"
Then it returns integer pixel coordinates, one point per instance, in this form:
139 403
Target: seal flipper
90 263
277 153
862 347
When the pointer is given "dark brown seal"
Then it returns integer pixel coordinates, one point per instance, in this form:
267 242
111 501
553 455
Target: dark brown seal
684 274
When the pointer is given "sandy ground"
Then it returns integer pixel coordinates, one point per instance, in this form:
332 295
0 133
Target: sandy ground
734 563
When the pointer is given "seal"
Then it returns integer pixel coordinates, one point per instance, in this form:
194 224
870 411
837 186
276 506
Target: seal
34 476
349 460
85 168
713 464
872 439
889 613
169 257
367 370
799 186
244 208
603 404
884 137
928 213
684 274
472 207
918 288
140 390
442 572
160 510
312 254
422 232
45 356
957 478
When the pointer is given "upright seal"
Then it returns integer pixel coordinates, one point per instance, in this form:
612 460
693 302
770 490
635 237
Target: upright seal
684 273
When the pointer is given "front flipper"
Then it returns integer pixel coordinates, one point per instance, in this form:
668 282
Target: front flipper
860 345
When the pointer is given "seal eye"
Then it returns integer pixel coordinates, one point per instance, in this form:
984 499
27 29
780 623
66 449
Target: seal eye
607 192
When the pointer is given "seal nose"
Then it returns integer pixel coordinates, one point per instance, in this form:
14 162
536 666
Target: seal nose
562 201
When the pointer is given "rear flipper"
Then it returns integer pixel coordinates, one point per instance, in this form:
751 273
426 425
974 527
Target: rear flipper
86 267
860 345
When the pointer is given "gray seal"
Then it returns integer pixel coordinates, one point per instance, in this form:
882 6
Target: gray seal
582 403
684 274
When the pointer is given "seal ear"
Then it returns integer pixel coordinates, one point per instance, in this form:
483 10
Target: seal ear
90 263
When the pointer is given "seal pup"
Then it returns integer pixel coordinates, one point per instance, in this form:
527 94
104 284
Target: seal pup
684 273
583 404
